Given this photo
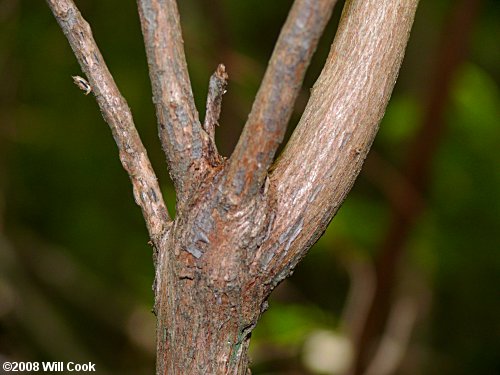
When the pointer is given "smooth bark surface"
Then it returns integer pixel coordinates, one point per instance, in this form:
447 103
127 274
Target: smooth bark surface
241 229
326 151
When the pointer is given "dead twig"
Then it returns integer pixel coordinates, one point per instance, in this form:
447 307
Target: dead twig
216 88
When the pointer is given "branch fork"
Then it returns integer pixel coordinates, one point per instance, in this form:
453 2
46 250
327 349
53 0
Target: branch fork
242 225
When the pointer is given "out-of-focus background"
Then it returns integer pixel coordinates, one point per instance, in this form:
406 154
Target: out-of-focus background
404 281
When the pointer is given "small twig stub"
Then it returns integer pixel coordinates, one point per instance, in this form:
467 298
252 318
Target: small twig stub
216 88
82 84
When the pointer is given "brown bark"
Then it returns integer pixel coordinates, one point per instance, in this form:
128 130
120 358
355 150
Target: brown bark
183 140
275 99
241 229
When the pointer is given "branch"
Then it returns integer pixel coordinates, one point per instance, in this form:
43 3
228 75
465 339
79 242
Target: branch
275 99
326 151
182 137
116 113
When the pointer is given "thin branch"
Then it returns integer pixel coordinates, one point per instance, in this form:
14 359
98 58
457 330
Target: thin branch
183 139
216 88
326 151
273 106
116 113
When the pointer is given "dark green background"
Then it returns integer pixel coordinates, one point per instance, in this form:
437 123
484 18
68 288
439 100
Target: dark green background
75 267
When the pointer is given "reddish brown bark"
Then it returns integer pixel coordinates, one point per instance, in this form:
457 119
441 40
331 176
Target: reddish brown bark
275 99
241 227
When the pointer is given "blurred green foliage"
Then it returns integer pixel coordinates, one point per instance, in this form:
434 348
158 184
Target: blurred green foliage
75 267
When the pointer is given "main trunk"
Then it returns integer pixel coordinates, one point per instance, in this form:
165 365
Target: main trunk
199 330
209 295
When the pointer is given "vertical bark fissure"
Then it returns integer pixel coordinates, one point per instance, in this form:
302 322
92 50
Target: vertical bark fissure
204 322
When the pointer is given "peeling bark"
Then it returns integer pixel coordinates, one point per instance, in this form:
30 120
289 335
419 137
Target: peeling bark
241 227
